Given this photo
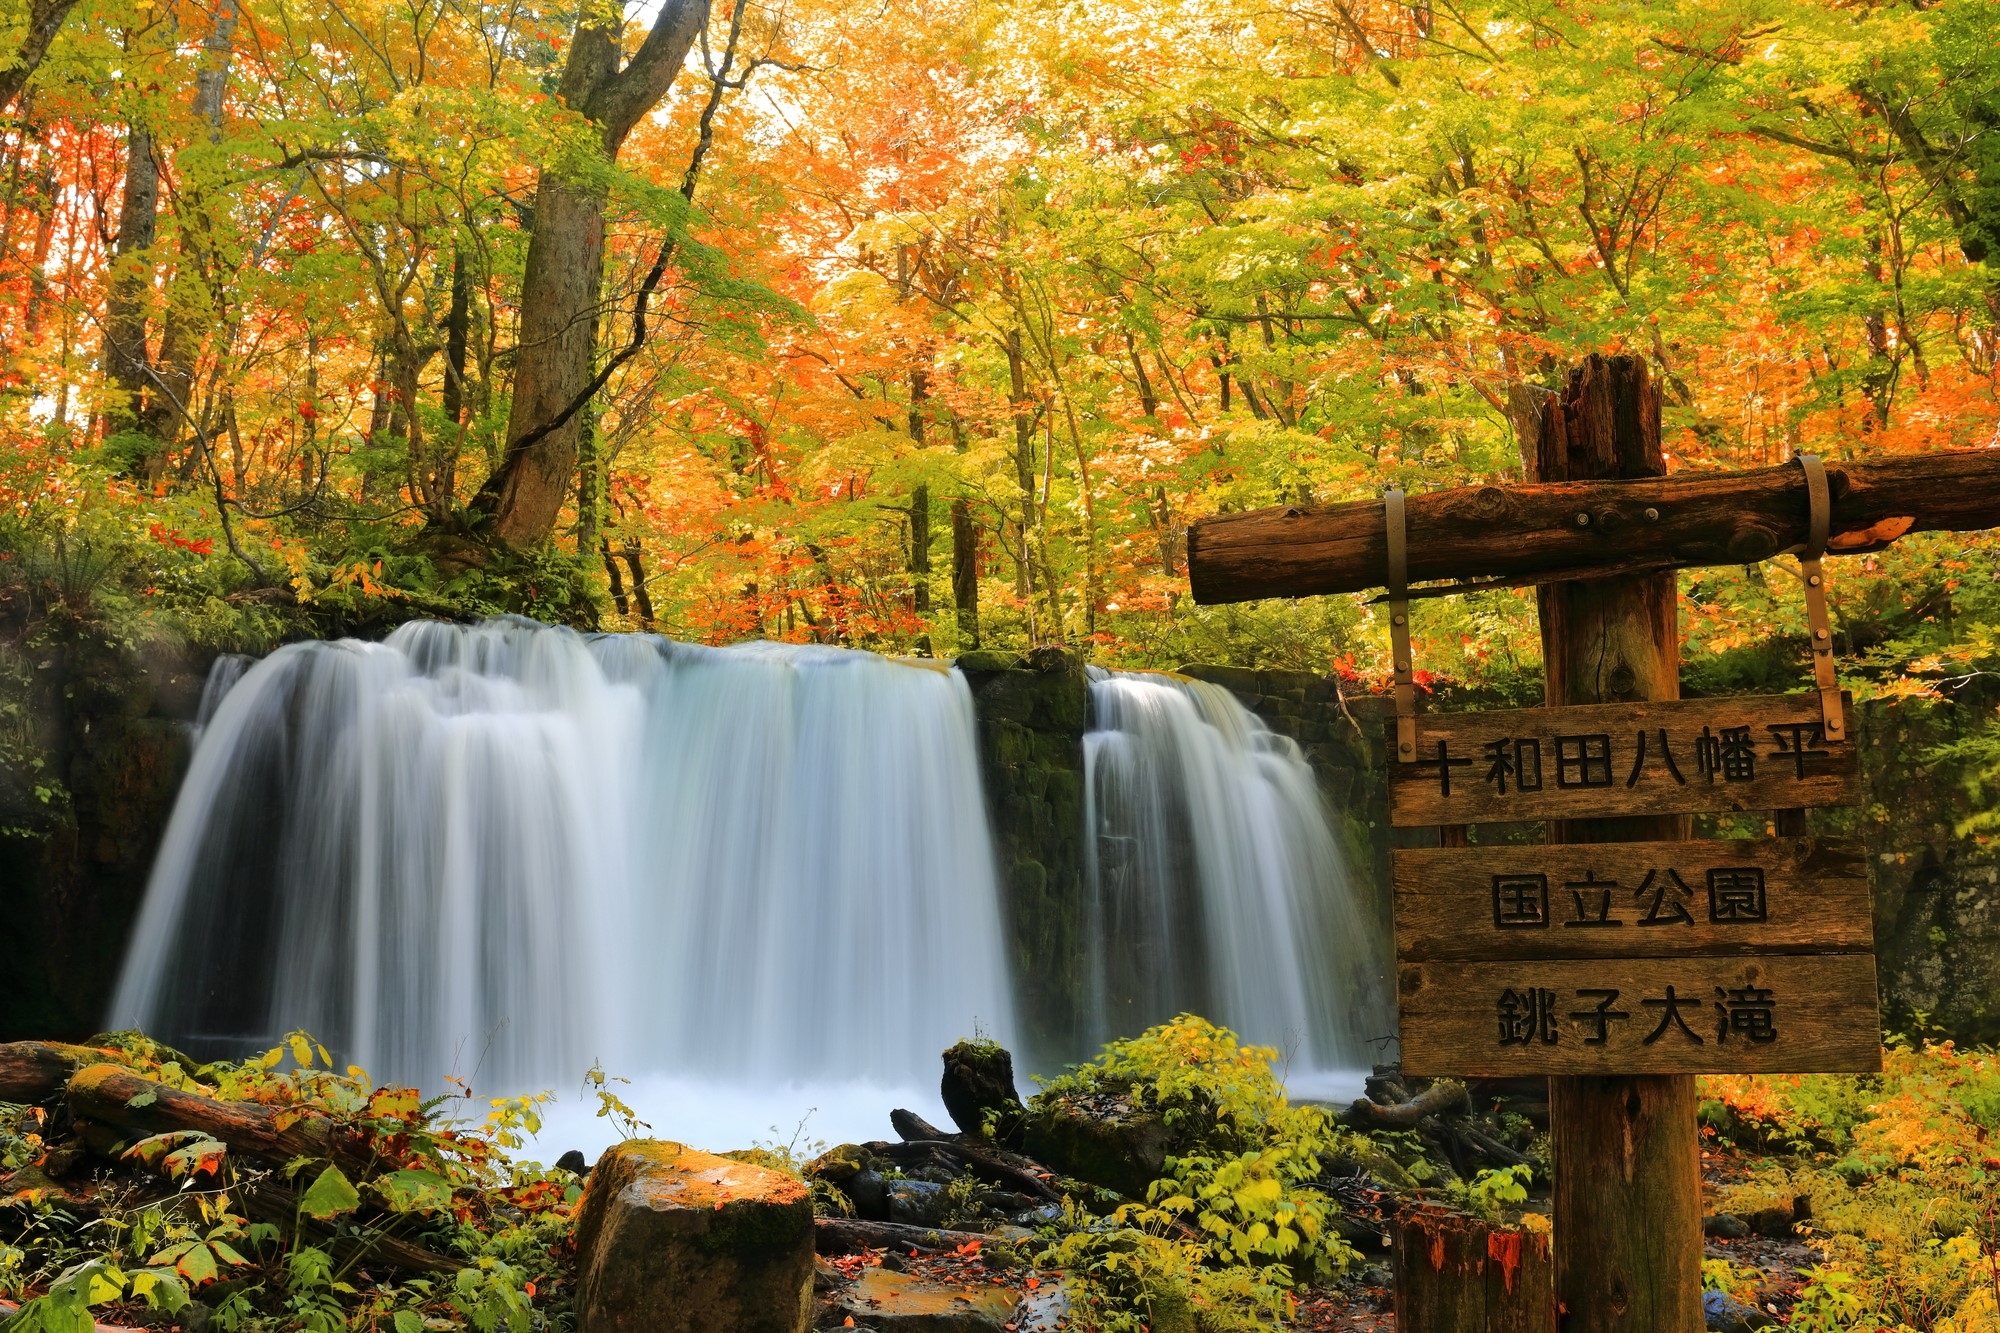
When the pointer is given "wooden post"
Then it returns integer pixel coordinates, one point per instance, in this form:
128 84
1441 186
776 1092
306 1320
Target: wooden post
1458 1274
1627 1154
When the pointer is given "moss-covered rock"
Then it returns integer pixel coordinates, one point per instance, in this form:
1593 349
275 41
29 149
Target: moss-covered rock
1100 1139
673 1240
978 1088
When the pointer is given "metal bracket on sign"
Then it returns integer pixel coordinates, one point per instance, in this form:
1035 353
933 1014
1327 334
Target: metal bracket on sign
1399 625
1820 508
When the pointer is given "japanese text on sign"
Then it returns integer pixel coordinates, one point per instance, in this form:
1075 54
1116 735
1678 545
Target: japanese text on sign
1769 752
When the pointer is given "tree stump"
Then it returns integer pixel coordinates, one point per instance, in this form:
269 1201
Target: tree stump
1460 1274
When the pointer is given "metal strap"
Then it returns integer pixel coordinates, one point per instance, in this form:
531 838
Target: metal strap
1820 514
1399 625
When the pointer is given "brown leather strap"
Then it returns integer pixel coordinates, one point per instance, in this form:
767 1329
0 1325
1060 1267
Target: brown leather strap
1399 625
1819 504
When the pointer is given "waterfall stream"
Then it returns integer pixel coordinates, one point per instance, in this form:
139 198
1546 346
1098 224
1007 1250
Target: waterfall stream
1216 884
503 853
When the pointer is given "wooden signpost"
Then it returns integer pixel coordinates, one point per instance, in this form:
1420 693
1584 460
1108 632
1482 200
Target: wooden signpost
1617 956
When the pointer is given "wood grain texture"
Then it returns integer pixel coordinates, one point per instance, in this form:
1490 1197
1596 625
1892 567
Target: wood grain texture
1628 1210
1459 1274
1822 1007
1573 778
1626 1262
1750 896
1524 533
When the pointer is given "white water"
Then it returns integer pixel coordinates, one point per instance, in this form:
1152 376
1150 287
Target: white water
503 853
1216 884
758 881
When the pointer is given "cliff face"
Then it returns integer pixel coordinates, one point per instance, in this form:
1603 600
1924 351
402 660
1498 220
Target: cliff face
110 723
101 744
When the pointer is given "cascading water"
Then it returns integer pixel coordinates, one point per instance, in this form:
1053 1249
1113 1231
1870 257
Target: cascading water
505 852
1216 885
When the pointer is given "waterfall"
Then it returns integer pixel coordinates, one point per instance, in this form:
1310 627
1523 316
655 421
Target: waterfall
1215 884
506 851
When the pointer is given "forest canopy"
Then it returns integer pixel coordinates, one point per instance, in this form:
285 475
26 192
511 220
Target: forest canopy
930 325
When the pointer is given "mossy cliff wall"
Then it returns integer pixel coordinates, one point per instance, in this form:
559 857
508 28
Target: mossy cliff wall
1937 892
1033 711
108 725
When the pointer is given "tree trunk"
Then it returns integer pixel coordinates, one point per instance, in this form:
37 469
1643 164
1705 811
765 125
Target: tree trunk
617 579
1627 1169
965 573
125 355
558 336
170 404
564 275
45 19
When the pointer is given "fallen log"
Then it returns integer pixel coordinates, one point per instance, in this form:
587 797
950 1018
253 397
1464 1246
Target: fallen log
273 1203
915 1129
1557 530
1442 1098
851 1235
109 1096
33 1071
954 1152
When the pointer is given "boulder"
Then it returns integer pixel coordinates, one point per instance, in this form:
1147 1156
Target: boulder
898 1303
978 1083
918 1203
1726 1314
1105 1141
672 1240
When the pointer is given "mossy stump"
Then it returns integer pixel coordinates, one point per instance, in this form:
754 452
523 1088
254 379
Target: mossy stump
673 1240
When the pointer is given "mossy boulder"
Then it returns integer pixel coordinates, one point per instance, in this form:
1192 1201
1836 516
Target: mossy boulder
1100 1138
978 1086
673 1240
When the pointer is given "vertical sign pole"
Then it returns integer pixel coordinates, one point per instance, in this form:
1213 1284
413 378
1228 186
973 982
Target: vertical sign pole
1627 1156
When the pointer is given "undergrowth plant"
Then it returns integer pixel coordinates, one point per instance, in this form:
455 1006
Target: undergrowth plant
180 1219
1903 1173
1236 1220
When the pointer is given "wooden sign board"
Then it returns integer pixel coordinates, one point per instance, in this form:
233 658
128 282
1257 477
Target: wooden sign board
1766 752
1775 1014
1632 899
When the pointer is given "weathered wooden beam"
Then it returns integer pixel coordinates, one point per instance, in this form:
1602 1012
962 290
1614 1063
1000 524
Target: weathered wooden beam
1566 529
1628 1169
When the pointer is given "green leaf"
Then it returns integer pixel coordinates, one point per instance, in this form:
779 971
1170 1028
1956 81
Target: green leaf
409 1321
329 1196
143 1100
197 1265
161 1290
412 1191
